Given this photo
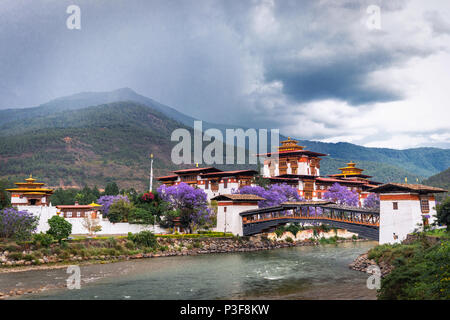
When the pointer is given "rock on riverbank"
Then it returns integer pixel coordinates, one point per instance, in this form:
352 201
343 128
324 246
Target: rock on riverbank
362 263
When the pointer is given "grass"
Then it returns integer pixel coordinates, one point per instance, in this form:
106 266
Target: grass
441 233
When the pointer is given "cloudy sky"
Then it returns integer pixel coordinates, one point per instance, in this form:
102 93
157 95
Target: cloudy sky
314 68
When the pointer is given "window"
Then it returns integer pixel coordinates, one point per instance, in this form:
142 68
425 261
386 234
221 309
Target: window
425 206
206 184
69 214
224 209
78 214
395 205
225 183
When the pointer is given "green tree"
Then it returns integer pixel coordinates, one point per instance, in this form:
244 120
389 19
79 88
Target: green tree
142 216
144 239
111 189
4 196
64 196
120 211
443 212
95 192
60 228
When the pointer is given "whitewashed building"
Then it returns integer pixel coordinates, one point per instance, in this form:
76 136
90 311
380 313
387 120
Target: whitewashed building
211 180
403 207
229 208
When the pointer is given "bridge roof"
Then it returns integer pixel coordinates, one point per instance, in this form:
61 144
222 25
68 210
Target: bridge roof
238 197
321 204
405 187
306 203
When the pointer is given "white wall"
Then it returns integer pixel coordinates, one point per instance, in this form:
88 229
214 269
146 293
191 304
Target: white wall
231 221
402 221
112 228
44 213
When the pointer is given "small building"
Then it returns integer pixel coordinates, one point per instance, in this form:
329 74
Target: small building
211 180
30 193
79 210
403 207
229 208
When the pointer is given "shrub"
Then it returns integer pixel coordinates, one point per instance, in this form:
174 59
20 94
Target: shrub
17 224
130 245
119 211
197 244
60 228
279 231
443 213
42 240
289 239
144 239
15 255
422 275
111 242
29 257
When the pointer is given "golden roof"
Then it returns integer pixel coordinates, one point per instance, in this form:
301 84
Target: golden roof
350 170
290 145
93 204
30 187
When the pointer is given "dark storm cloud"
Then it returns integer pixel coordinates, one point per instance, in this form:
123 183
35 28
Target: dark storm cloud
438 24
236 62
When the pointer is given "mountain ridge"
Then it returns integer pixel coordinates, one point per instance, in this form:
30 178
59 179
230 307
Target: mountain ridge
69 112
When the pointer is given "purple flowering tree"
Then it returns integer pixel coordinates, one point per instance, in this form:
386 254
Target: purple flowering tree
17 224
372 201
275 194
342 195
190 205
107 201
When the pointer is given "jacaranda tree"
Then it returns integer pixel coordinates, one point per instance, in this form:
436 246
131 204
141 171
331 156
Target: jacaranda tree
274 194
190 205
342 195
372 201
17 224
107 201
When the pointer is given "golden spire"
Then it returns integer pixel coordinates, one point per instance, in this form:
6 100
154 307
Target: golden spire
30 179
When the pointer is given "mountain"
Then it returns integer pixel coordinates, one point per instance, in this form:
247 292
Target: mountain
117 120
440 180
94 145
12 117
423 162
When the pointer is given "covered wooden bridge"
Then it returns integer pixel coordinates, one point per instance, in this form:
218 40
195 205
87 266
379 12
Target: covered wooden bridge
364 222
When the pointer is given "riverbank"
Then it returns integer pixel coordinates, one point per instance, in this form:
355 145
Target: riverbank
111 250
416 269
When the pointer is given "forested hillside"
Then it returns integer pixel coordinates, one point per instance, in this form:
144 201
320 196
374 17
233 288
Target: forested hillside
440 180
91 146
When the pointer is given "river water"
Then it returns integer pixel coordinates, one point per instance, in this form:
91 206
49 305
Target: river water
312 272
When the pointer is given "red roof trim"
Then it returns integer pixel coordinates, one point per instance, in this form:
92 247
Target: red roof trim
196 170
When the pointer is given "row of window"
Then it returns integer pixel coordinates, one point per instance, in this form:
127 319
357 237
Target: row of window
424 206
70 214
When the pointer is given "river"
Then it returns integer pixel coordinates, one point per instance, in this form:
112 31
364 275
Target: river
310 272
